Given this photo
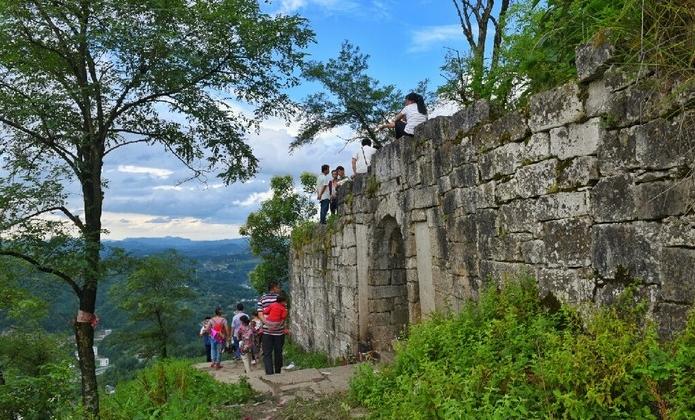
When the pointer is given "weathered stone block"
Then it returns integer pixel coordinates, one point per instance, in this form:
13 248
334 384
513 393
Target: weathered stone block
465 176
382 292
444 184
568 242
679 231
660 144
562 205
533 252
537 179
464 153
506 191
616 153
656 200
612 199
636 104
501 161
467 118
577 172
593 60
517 216
500 272
510 127
435 129
423 198
568 286
555 107
463 229
576 139
671 318
597 99
536 148
678 275
628 249
485 195
380 305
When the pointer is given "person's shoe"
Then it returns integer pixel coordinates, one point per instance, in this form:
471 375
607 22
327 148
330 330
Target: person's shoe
213 365
219 366
253 362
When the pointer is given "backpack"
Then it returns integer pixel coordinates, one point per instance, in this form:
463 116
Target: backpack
217 332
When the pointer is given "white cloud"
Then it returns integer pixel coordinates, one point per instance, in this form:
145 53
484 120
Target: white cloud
154 172
130 225
168 188
423 39
292 6
254 199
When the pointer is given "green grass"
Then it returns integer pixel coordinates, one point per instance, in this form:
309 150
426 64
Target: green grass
173 389
292 353
507 356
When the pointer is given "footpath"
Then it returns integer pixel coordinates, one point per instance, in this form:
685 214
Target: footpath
303 384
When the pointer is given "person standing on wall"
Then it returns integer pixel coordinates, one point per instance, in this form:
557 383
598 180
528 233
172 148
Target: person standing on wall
413 114
363 157
324 192
333 188
273 339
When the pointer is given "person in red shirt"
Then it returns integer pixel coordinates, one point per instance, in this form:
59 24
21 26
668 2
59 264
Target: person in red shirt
276 311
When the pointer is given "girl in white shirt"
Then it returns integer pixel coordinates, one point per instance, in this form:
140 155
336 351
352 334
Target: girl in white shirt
413 114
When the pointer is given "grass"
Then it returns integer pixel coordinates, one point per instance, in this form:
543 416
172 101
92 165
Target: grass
292 353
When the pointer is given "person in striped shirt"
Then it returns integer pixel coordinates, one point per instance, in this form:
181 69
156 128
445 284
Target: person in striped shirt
273 338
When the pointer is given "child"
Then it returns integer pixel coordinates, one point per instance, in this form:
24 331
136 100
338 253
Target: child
245 336
276 312
257 327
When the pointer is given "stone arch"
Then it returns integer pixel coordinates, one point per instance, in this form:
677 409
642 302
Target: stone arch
387 291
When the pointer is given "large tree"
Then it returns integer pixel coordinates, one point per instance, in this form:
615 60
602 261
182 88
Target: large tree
80 79
157 297
269 228
350 97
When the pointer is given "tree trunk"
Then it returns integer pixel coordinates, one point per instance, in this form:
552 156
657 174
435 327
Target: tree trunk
84 337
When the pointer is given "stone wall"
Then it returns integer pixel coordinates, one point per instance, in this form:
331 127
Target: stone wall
589 188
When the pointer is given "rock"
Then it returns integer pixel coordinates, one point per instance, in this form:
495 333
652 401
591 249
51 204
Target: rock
537 179
511 127
577 172
434 130
465 176
569 286
597 99
467 118
555 107
616 153
576 139
562 205
671 318
593 60
678 275
656 200
662 145
613 200
536 148
636 104
503 160
629 250
568 242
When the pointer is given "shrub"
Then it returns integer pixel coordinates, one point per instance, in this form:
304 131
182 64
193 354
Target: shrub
292 353
173 389
508 356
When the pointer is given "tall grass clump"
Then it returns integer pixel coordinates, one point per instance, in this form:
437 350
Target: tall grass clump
173 389
507 356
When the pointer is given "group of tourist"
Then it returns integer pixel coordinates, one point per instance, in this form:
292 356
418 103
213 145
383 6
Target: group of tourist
413 114
249 337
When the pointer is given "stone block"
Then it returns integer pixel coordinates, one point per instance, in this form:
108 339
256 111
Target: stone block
485 195
500 272
533 252
593 60
562 205
462 229
463 198
434 130
381 292
577 172
616 153
444 184
612 199
510 127
537 179
423 198
576 139
671 318
573 287
464 153
628 250
501 161
656 200
556 107
660 144
679 231
506 191
465 119
568 242
678 275
597 98
536 148
380 305
517 216
465 176
636 104
463 258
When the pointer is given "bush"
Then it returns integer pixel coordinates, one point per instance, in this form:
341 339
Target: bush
507 356
173 389
304 359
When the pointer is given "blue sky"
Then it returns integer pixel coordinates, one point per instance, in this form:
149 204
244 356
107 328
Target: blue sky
406 41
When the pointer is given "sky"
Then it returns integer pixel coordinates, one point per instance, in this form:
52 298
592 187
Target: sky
406 41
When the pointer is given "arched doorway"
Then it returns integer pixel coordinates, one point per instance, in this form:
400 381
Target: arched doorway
388 292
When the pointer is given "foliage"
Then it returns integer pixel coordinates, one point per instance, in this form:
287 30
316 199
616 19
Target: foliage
303 233
157 296
81 79
269 230
173 389
469 77
507 356
350 98
302 359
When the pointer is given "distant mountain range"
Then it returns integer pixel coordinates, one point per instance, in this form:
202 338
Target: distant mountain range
190 248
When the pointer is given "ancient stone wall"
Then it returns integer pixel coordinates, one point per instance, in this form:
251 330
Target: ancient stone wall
589 188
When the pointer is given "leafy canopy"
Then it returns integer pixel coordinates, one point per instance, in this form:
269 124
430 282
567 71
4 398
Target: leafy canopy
269 229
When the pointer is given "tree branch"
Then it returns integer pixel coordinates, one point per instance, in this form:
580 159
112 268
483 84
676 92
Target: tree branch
75 219
45 269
